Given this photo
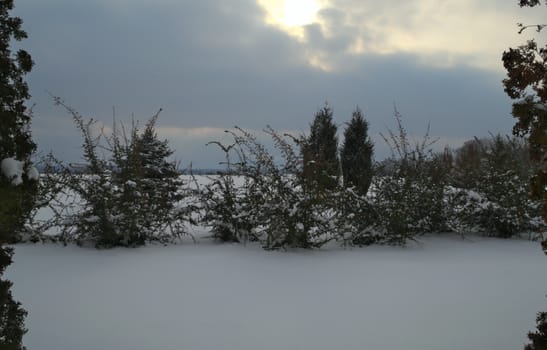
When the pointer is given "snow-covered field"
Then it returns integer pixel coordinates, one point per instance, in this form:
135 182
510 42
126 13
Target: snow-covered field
441 294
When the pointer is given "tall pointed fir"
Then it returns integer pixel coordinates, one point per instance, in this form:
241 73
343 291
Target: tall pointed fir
356 154
160 181
154 153
150 187
17 187
320 152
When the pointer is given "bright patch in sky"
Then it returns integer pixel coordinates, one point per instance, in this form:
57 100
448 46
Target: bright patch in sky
298 13
291 14
442 35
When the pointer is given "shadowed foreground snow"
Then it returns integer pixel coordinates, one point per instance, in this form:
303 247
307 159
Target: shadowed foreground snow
444 293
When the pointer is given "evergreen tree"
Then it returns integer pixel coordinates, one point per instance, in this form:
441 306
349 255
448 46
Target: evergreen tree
356 154
320 152
149 180
16 146
12 315
15 138
526 68
526 82
539 338
130 198
153 153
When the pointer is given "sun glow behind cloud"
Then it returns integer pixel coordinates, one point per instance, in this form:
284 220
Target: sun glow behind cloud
299 13
334 33
291 15
435 59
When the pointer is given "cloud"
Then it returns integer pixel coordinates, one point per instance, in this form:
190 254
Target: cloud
441 33
214 64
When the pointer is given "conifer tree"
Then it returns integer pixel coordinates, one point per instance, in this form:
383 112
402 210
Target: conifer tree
320 152
16 186
147 173
154 153
356 154
130 198
538 339
526 68
526 82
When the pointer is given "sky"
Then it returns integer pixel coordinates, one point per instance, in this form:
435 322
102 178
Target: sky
211 65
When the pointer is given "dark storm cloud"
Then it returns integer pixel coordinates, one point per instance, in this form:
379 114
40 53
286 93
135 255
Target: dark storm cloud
214 64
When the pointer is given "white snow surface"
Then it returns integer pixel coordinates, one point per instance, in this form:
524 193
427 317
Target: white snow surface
442 293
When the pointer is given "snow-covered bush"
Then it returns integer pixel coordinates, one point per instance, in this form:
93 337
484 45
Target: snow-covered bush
147 187
482 189
129 199
226 209
491 188
357 220
271 205
409 198
410 203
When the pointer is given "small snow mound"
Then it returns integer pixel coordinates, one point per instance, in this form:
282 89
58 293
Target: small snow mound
541 106
12 169
33 174
131 183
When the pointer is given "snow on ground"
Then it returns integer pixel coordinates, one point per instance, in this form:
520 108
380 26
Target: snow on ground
443 293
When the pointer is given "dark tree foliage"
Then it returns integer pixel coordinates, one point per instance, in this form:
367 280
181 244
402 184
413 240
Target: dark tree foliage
15 138
467 163
272 204
356 154
530 3
410 198
497 170
128 199
526 82
15 142
539 338
320 152
12 316
152 153
149 185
